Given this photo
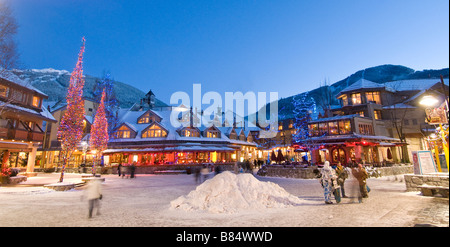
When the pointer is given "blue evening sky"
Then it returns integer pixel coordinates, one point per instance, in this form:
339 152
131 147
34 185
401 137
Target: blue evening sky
261 46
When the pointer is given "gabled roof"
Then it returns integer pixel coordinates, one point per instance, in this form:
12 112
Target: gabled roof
414 85
363 84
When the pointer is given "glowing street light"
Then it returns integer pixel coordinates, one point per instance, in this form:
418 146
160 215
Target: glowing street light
428 100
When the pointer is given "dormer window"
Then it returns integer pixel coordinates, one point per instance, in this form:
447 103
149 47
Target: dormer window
36 102
190 132
123 132
154 131
148 117
212 133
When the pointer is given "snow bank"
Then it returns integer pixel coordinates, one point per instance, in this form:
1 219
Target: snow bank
230 193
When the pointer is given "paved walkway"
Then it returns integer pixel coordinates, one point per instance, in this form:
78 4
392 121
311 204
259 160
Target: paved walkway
145 201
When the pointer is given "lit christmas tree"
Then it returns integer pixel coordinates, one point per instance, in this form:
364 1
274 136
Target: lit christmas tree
99 131
111 103
70 130
304 106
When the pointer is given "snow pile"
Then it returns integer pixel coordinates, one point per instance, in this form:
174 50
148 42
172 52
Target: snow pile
229 193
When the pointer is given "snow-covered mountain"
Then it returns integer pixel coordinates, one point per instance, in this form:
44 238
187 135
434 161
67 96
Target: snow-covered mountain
55 83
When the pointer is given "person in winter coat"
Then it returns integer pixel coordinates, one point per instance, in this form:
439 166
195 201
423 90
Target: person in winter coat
341 176
326 180
361 175
94 194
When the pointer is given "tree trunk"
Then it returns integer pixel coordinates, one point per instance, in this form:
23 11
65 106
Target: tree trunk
61 178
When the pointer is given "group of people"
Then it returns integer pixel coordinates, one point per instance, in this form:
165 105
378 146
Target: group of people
333 180
123 170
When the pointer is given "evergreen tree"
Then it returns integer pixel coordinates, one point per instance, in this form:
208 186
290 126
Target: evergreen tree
98 140
106 84
304 106
70 130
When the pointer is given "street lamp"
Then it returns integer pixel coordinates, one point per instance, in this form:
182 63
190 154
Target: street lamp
428 100
431 102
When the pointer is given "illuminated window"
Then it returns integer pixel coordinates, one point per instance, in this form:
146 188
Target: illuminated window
377 114
36 101
148 118
280 126
344 100
356 98
4 90
190 133
154 131
333 128
213 133
373 97
323 129
313 129
123 132
291 124
345 127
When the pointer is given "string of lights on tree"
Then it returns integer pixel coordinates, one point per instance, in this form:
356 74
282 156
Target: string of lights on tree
106 84
99 131
70 130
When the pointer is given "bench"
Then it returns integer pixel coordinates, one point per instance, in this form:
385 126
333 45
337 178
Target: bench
430 190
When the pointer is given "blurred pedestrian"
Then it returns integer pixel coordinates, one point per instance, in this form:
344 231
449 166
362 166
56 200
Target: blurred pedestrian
205 172
197 175
94 195
119 169
132 170
361 175
326 180
123 170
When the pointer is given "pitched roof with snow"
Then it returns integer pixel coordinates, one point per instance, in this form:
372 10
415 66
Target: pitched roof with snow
364 84
173 134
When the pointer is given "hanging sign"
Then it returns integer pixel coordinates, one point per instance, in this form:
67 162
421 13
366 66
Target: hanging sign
436 115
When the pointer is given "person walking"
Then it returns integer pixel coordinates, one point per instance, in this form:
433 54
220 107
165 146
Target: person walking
93 195
361 175
326 180
342 175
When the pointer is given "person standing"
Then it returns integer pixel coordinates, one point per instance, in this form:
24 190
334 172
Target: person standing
326 180
342 175
119 169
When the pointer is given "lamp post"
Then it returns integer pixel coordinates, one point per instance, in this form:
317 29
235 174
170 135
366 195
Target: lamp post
430 101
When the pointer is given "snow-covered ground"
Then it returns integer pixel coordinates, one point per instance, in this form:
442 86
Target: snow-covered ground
146 201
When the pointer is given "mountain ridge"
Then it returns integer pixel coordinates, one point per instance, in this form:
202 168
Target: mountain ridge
55 83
